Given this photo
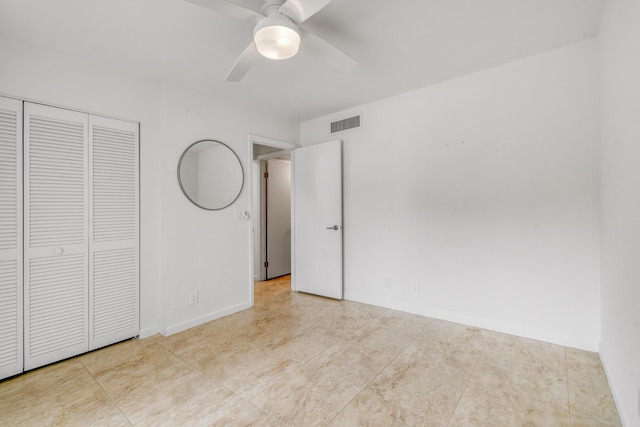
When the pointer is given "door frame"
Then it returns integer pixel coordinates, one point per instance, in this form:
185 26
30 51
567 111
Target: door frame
254 229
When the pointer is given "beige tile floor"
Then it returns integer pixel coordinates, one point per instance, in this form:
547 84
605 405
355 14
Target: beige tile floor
296 359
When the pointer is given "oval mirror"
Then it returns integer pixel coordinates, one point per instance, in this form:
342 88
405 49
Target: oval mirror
210 174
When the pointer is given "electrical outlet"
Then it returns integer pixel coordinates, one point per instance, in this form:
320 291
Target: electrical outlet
414 288
388 283
194 298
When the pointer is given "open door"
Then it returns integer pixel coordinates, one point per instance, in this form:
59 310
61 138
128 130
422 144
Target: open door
317 204
277 200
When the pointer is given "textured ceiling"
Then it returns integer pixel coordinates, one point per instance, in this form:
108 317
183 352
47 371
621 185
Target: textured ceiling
400 45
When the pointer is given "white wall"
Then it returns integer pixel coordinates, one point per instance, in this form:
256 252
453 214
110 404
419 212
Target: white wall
183 248
620 70
207 251
483 191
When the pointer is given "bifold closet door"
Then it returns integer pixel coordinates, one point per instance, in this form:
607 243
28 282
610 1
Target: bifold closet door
11 345
113 225
55 234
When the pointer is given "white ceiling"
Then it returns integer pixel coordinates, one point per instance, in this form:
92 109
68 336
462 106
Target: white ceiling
400 45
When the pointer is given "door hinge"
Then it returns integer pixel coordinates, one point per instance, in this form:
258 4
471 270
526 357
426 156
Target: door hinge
266 263
266 174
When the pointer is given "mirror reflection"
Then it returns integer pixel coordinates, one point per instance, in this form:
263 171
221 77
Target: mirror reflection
210 174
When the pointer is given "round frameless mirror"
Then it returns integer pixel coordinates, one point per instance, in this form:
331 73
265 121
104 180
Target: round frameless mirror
210 174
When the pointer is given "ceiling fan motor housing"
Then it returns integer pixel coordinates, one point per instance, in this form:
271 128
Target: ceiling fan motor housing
270 6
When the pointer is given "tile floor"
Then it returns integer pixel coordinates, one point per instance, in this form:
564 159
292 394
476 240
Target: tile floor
296 359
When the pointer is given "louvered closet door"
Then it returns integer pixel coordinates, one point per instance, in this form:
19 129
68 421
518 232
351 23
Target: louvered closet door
56 237
10 237
113 251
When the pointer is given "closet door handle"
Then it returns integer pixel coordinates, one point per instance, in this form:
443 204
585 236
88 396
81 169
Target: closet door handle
58 251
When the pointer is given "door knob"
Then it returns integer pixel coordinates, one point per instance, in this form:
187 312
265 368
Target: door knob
58 251
335 227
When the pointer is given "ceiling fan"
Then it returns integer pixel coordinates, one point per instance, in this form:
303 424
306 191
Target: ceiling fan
277 34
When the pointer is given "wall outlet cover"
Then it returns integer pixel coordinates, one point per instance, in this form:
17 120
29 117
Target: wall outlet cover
194 298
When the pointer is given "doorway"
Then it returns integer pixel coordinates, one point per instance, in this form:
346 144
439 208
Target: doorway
270 237
275 211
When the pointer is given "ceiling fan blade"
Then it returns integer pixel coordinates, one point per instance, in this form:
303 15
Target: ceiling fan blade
319 48
230 9
301 10
245 62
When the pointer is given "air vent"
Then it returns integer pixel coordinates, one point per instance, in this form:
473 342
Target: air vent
350 123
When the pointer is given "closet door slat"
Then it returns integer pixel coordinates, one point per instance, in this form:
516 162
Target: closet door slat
113 225
11 319
56 238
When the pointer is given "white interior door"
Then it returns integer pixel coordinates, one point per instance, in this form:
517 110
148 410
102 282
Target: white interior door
278 218
318 219
55 230
10 237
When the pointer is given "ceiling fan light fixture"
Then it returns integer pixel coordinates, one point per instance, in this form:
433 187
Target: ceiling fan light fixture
277 38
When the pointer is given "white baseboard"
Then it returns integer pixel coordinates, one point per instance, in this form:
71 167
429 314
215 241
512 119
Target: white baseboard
183 326
608 373
536 334
149 332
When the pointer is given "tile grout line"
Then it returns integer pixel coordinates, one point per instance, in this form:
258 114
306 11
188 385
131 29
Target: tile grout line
398 404
215 380
299 365
381 370
106 393
475 366
566 373
234 332
185 361
253 404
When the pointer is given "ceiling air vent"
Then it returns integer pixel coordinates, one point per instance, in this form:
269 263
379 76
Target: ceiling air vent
350 123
